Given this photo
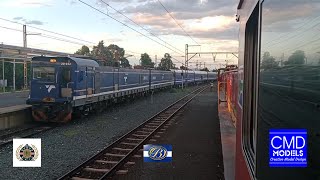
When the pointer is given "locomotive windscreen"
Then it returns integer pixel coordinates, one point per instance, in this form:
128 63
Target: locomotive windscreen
44 73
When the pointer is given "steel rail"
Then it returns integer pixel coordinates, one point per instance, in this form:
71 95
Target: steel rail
109 172
23 133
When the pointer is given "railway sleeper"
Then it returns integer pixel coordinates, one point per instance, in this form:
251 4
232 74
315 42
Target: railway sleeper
151 126
94 170
134 139
121 149
139 135
114 155
143 132
131 144
80 178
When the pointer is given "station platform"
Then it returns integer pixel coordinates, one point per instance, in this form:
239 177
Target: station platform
13 116
8 99
197 150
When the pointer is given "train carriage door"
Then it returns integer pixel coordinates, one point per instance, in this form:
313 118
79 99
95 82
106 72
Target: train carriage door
65 81
96 81
116 79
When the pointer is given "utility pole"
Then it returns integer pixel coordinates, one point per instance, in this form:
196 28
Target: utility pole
14 75
155 60
25 70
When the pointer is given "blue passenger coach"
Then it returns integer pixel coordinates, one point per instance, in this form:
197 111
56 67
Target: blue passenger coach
61 86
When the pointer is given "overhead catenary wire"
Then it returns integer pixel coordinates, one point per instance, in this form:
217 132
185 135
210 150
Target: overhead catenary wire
177 22
128 26
291 35
46 36
139 25
49 31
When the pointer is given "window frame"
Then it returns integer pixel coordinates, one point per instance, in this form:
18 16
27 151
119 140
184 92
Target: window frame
41 80
250 88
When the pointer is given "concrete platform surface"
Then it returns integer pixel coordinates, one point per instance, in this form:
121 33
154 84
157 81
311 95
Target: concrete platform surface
13 98
196 142
11 109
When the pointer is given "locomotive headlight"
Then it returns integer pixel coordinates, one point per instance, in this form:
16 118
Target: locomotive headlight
53 60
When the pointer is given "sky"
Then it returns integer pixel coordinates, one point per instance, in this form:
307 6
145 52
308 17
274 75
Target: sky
210 23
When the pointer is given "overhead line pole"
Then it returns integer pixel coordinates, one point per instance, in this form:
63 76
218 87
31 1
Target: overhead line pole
25 68
195 53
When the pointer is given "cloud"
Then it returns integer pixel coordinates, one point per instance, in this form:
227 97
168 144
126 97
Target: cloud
218 27
26 3
35 22
185 9
18 18
30 22
202 19
71 2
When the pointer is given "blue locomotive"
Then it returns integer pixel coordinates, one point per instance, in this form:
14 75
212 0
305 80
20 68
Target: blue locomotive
61 86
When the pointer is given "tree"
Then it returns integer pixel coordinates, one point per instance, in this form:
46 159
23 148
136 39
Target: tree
124 63
297 58
84 50
118 58
146 61
268 61
183 68
102 53
205 69
166 62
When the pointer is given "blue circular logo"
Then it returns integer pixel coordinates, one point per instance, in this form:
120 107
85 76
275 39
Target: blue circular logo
157 152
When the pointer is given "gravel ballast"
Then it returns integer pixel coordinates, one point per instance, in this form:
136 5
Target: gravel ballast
67 146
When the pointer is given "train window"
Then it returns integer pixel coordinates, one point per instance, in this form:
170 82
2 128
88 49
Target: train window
250 79
289 80
45 74
66 75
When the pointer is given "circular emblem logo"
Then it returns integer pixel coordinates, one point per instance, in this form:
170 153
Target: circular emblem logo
27 152
157 152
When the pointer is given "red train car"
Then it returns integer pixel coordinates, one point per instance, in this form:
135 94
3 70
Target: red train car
274 94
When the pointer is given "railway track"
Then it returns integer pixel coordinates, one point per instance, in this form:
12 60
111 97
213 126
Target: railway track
119 156
22 133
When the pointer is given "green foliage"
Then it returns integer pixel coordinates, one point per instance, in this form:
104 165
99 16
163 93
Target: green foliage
268 61
297 58
205 69
183 68
112 55
83 51
166 62
146 61
19 77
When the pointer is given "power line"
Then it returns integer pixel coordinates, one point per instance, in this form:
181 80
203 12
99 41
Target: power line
288 36
45 36
49 31
127 26
10 28
177 22
139 25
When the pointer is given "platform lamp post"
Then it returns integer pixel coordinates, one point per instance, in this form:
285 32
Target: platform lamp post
25 70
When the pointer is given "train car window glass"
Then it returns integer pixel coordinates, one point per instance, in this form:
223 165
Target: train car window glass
249 108
66 75
44 74
289 80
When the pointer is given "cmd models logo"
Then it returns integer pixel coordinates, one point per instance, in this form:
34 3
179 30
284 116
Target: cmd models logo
288 148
